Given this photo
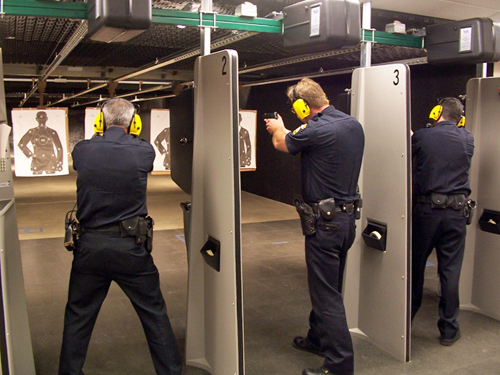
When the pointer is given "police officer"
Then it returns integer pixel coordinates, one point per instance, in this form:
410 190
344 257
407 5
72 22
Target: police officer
331 145
111 190
442 153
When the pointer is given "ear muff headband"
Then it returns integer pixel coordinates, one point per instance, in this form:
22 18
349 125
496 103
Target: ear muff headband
300 107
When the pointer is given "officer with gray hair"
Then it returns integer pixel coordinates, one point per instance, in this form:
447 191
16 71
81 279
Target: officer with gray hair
114 242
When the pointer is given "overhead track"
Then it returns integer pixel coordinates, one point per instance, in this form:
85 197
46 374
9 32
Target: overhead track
327 73
73 41
64 98
152 89
298 59
133 100
165 61
185 55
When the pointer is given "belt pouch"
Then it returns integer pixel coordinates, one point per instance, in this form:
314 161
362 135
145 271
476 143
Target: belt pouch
130 227
327 208
438 200
458 203
307 217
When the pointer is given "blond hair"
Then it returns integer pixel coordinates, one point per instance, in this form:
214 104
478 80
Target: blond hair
310 91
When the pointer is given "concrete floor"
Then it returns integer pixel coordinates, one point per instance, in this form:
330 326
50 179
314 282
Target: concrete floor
276 301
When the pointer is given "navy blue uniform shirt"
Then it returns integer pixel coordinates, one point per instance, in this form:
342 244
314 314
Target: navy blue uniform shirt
443 156
331 145
112 177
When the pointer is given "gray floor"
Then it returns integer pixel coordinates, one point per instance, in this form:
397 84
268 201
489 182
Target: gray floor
276 302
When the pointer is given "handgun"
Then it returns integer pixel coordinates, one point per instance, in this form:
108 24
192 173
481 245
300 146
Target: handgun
271 115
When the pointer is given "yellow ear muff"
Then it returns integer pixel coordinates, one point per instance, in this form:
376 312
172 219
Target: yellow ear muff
301 108
436 112
136 125
99 123
461 123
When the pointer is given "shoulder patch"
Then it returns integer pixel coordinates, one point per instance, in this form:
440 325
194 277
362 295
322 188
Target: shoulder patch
301 127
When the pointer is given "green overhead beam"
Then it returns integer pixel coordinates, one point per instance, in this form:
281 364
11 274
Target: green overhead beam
222 21
36 8
395 39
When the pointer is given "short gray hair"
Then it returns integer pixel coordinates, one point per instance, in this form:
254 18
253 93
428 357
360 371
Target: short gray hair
118 112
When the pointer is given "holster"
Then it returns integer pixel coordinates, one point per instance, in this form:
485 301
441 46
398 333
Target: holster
357 208
469 209
72 234
307 217
149 232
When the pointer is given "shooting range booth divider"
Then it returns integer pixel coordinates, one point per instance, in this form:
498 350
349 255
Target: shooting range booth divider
479 278
377 282
214 329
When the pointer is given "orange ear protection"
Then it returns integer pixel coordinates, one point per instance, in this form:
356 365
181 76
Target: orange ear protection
300 107
438 110
134 128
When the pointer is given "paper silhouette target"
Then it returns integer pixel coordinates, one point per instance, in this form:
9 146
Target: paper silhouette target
41 142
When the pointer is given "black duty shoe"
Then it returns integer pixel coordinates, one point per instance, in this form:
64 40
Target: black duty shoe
449 342
303 343
316 371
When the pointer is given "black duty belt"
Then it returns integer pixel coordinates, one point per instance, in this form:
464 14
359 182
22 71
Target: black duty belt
343 207
436 200
107 228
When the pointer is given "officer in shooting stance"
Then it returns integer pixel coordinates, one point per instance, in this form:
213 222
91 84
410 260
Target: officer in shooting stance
442 154
114 241
331 146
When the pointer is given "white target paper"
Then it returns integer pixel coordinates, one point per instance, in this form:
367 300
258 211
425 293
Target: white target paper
40 142
160 139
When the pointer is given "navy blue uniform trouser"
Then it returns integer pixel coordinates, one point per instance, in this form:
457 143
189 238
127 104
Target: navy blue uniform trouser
444 230
326 253
99 259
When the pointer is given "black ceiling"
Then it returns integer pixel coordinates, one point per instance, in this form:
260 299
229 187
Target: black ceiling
35 42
